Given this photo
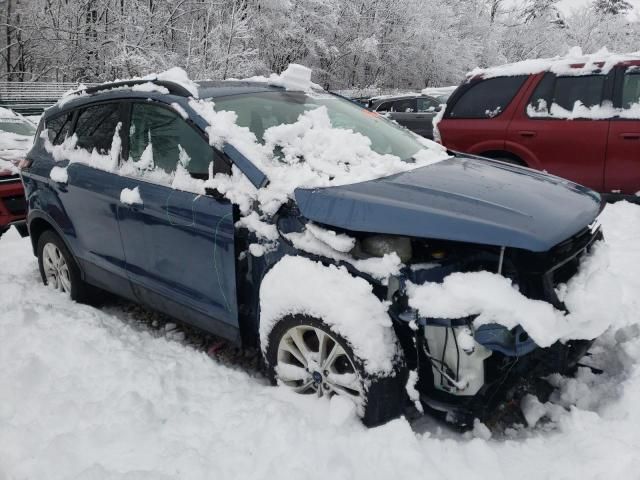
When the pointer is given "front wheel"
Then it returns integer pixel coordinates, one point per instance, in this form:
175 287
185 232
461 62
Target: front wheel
305 355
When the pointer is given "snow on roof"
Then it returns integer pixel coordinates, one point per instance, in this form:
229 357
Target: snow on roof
437 91
7 113
174 75
573 63
295 78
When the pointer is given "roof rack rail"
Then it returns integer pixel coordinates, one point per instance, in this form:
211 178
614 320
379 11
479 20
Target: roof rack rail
174 88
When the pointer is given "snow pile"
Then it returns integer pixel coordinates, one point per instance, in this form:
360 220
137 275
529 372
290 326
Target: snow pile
594 298
379 268
131 196
297 285
305 154
294 78
439 91
573 63
59 174
7 113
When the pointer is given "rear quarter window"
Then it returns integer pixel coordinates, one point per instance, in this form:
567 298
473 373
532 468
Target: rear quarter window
59 127
96 126
486 98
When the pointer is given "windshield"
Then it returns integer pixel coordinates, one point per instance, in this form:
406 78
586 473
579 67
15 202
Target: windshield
17 126
260 111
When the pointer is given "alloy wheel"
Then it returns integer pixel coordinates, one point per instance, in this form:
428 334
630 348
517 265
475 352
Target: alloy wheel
56 269
312 361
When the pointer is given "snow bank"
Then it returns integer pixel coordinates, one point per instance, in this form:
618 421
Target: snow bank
297 285
92 393
602 60
131 196
593 298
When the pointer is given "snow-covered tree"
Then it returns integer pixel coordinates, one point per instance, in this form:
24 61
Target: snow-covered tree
612 7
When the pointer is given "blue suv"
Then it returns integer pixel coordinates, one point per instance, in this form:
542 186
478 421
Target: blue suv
325 322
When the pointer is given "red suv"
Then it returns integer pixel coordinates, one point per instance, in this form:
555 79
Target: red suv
576 118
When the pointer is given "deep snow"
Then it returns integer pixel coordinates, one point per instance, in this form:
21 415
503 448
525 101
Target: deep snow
84 395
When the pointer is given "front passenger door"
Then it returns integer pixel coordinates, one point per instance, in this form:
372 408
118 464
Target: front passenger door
179 245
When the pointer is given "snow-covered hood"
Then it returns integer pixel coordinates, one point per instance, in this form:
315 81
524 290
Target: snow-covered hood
461 199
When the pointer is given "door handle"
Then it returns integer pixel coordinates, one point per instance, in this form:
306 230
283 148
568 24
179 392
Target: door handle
630 136
527 133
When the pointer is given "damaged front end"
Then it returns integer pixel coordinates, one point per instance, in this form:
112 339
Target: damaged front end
466 371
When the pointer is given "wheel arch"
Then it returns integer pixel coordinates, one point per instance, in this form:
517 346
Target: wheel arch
39 222
504 155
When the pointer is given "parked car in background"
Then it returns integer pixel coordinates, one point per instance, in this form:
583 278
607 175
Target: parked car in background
441 94
578 118
415 111
16 137
321 279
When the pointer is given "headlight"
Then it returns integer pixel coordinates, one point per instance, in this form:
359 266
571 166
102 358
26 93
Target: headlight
379 245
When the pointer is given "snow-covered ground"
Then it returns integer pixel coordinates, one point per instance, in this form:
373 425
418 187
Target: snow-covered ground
86 394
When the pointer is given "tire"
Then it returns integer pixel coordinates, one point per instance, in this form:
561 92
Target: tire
59 269
378 399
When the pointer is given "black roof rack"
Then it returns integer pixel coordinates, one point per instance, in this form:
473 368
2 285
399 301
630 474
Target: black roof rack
174 88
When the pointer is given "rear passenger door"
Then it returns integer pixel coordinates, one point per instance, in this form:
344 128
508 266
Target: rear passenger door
622 170
90 196
404 112
478 113
559 131
179 245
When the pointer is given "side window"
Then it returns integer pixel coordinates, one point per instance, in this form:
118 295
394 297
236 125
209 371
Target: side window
96 126
160 138
631 88
384 107
487 98
586 89
405 106
426 104
564 92
59 128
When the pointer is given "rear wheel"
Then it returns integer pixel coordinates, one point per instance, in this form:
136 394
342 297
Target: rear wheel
58 268
305 355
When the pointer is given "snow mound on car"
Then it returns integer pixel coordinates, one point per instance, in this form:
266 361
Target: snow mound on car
595 299
297 285
314 154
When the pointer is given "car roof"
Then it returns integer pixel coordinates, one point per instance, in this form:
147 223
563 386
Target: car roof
379 100
567 65
166 91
